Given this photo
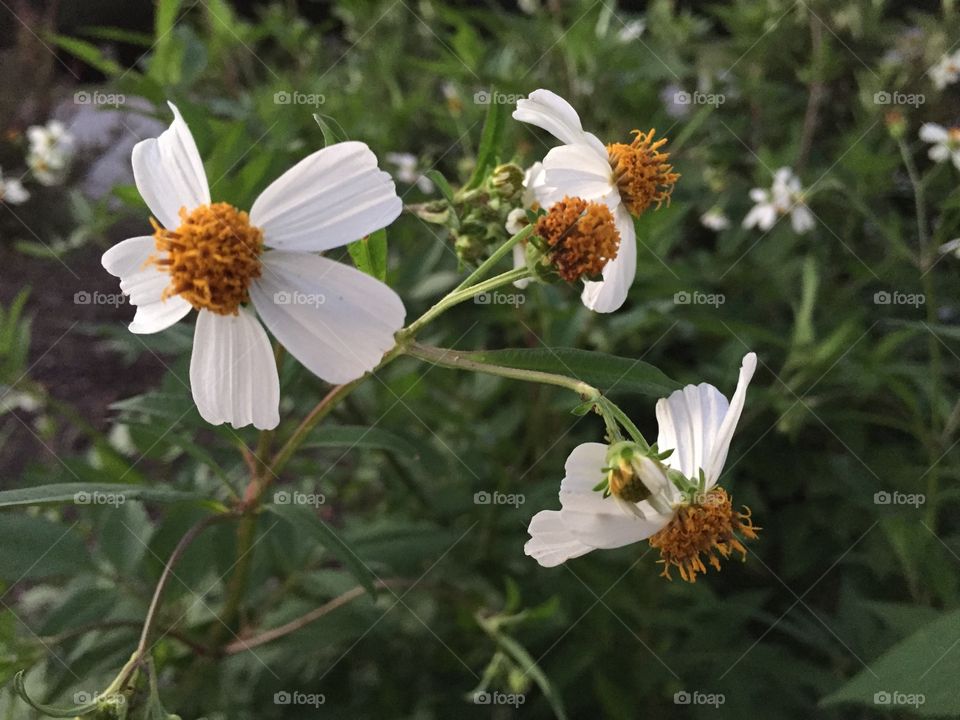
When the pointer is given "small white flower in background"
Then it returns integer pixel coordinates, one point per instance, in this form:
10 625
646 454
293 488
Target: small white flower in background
945 142
785 197
50 153
671 97
675 504
407 172
517 219
631 31
627 178
337 321
946 71
715 219
951 247
12 191
530 7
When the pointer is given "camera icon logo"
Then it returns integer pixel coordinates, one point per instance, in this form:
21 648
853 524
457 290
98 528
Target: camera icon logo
281 97
82 498
282 698
882 97
881 297
882 497
481 97
82 297
681 298
81 97
481 698
882 697
682 97
83 698
681 698
281 497
481 498
282 298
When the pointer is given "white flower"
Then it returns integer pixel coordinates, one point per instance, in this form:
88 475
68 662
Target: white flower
334 319
584 167
697 423
715 219
517 219
951 247
407 171
50 153
784 197
631 31
945 141
12 192
946 71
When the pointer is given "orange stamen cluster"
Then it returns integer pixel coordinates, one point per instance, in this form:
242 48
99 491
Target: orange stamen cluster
710 529
212 257
642 172
582 237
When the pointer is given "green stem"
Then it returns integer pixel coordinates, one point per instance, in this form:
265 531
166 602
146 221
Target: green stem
454 359
497 255
621 417
458 296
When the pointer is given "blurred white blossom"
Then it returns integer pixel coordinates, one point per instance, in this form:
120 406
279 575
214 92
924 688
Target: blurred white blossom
785 197
12 192
406 171
946 71
715 219
51 152
945 142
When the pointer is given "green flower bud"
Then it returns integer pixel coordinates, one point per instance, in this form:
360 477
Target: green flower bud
507 181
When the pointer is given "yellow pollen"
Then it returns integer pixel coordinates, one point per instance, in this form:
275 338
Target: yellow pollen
212 257
710 529
581 235
642 172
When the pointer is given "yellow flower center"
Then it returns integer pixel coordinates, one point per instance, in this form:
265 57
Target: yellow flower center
642 172
212 257
953 137
707 529
582 237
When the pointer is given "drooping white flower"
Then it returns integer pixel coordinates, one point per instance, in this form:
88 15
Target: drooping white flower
715 219
785 197
50 153
227 264
945 143
946 71
407 171
626 178
697 423
12 191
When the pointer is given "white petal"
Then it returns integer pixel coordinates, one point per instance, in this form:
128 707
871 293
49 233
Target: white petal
721 443
802 219
169 173
550 542
610 293
576 171
520 261
549 111
689 421
593 519
933 133
144 284
939 153
759 195
233 373
328 199
333 318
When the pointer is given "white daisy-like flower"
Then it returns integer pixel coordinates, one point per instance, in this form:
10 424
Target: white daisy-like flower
785 197
517 219
626 178
407 171
715 219
12 191
227 264
50 153
945 143
946 71
697 423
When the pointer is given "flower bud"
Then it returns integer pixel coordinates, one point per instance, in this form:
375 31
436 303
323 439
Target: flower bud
507 181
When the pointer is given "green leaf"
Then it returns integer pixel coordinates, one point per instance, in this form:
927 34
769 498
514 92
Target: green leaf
361 438
89 53
490 140
91 494
307 522
370 254
441 182
50 710
34 547
165 65
609 373
917 674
